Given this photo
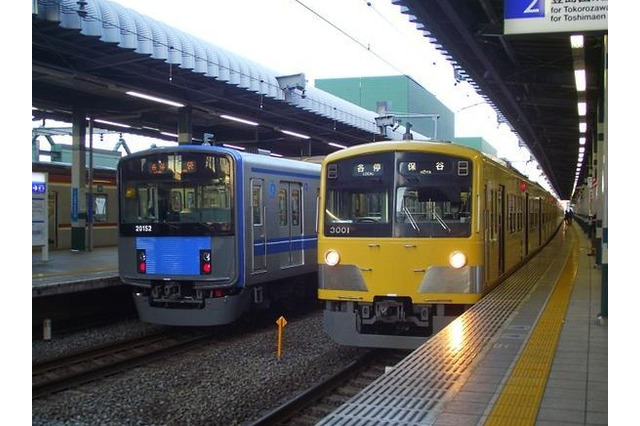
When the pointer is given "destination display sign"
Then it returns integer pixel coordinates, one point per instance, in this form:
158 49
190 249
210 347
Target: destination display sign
368 169
553 16
434 167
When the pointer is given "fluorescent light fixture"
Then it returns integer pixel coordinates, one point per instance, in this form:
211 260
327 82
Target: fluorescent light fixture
112 123
577 42
581 150
298 135
582 126
581 80
154 98
169 134
337 145
582 109
233 146
582 140
239 120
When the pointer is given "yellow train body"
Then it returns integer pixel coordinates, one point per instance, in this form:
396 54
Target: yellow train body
393 219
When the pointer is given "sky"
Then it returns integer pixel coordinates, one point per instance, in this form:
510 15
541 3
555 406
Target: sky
331 39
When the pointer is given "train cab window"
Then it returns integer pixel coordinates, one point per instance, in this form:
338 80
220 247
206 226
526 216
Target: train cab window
358 196
357 207
432 211
193 190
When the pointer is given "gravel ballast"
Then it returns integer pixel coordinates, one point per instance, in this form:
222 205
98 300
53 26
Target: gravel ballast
225 383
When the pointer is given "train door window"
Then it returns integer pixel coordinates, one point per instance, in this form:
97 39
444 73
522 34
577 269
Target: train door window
282 207
492 214
295 207
99 207
256 203
518 214
511 213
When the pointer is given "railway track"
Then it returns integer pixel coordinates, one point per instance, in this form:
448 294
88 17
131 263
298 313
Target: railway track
317 402
63 373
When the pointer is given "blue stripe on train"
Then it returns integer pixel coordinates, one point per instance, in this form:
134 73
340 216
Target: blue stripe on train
284 244
173 255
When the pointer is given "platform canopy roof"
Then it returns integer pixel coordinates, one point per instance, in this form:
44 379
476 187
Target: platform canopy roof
528 77
86 56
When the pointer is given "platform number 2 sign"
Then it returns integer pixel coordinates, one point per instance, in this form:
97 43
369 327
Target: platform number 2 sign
514 9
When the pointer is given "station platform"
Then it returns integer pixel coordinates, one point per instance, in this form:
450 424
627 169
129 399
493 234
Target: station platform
532 352
67 271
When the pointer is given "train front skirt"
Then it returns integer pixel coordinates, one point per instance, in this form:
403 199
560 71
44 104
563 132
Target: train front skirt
215 311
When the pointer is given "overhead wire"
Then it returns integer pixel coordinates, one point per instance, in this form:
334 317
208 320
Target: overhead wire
350 37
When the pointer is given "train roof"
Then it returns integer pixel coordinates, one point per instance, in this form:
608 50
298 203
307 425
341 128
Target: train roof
439 146
262 157
55 165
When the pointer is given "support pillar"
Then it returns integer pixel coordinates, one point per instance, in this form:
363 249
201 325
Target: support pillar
185 130
603 141
78 182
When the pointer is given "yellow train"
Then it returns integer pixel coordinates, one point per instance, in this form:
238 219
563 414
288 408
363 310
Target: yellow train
413 233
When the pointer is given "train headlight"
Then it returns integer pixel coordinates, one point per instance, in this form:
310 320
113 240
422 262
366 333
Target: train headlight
457 259
331 257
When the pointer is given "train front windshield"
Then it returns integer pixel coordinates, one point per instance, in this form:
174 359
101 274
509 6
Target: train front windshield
399 194
177 193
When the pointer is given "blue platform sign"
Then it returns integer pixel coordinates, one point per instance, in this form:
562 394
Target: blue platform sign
38 187
74 204
515 9
555 16
39 212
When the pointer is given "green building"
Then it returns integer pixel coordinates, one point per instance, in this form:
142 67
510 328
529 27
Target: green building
478 143
399 95
410 102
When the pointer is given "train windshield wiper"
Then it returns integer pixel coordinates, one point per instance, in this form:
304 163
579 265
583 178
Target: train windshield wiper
439 219
412 221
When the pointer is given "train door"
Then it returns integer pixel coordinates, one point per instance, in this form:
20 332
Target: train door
526 224
258 228
487 234
539 221
500 224
290 223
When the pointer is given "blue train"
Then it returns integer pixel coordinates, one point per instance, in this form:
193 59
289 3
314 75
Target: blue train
208 233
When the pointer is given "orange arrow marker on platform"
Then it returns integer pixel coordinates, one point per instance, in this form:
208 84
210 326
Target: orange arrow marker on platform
281 324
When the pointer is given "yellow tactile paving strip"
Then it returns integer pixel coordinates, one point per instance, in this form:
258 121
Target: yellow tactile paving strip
520 398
